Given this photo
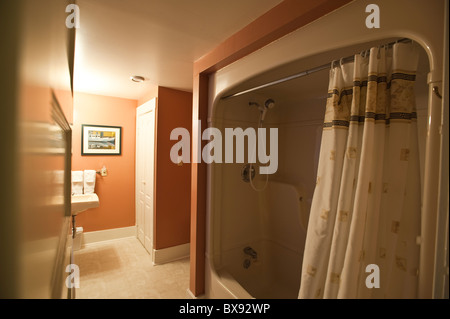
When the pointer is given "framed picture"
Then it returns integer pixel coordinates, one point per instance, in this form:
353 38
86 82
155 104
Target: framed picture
101 140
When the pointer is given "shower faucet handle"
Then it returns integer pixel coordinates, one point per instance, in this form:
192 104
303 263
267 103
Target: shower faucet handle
251 252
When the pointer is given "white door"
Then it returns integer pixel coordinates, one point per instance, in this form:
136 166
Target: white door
145 145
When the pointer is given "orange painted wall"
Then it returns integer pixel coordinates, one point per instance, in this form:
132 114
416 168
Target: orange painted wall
116 191
173 182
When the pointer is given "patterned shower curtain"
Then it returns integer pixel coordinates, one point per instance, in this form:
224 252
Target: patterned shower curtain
365 215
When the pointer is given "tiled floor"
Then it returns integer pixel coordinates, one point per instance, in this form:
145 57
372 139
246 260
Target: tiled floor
122 269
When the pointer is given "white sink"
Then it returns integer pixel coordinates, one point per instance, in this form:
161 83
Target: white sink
83 202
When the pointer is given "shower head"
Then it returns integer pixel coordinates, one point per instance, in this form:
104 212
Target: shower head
269 104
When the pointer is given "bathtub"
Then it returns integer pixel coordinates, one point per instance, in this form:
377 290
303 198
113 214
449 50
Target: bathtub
275 272
274 275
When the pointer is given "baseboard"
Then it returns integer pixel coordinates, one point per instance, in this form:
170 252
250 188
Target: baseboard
162 256
108 234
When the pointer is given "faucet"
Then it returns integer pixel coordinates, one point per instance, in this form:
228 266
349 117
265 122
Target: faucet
251 252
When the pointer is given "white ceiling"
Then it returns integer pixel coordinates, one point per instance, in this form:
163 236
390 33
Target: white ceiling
158 39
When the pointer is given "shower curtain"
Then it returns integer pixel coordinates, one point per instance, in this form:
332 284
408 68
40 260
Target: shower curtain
365 214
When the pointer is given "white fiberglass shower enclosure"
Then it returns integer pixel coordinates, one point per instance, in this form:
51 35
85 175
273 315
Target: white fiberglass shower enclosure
256 239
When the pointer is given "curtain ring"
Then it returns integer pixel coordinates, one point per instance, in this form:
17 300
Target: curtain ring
341 62
395 43
333 64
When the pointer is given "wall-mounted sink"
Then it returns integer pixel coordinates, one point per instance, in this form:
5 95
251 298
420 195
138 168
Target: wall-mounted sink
82 202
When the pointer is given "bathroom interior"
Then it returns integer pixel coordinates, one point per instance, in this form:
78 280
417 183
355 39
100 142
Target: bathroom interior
236 233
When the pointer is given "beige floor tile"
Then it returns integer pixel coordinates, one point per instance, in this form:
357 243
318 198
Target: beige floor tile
122 269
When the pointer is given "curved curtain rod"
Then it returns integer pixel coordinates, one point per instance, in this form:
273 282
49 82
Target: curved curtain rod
310 71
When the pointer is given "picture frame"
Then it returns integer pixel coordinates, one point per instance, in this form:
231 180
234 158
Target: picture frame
101 140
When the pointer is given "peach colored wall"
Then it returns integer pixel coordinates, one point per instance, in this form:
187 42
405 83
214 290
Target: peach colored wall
173 182
117 190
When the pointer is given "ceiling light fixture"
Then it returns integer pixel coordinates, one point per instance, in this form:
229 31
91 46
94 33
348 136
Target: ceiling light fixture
137 78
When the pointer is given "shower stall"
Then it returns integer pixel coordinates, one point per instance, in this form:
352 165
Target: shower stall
257 224
262 219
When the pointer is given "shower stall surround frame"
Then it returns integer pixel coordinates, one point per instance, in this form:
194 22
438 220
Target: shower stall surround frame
424 24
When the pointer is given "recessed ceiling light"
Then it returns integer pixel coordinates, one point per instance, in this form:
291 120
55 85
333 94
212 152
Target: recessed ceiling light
137 78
